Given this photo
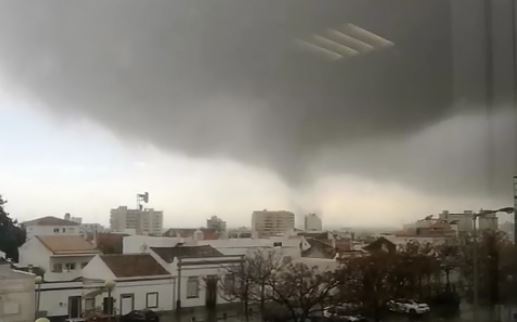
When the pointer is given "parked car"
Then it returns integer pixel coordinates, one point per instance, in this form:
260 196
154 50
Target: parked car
346 312
408 306
141 316
344 309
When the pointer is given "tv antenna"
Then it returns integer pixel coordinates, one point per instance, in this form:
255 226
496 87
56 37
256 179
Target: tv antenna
141 197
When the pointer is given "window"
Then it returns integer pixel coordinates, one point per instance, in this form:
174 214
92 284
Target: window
151 300
89 304
56 230
70 266
63 230
107 305
57 268
229 283
192 287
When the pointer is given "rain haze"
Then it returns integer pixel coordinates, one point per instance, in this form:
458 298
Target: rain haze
367 112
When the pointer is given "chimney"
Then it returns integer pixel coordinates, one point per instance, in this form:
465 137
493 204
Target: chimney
67 216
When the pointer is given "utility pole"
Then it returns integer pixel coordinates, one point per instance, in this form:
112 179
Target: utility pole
515 207
476 269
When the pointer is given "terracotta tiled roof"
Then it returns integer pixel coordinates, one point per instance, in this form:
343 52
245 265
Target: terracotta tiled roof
110 243
326 249
65 245
133 265
169 253
50 221
378 245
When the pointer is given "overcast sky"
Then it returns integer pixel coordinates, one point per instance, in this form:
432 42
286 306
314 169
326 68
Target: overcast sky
231 106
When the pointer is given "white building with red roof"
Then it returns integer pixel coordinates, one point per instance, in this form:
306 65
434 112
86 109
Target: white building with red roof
61 257
49 225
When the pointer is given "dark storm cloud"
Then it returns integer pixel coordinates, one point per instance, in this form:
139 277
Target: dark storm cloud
225 78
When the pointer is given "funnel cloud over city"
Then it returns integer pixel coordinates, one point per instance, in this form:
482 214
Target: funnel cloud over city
366 112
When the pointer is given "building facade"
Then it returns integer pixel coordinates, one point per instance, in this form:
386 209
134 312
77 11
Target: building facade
312 223
266 223
197 270
144 222
140 282
216 223
464 221
60 257
17 300
46 226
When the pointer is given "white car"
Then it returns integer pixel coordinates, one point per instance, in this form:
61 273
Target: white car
344 309
408 306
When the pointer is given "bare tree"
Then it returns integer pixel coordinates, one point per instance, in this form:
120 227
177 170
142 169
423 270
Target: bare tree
372 280
236 284
246 282
262 264
302 290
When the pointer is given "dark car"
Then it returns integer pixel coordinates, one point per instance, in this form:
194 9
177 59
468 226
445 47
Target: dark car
141 316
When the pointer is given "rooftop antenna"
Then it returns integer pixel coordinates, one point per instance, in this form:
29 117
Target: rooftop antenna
141 197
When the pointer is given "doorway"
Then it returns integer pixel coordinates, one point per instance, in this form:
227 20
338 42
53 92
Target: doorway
127 303
211 291
74 307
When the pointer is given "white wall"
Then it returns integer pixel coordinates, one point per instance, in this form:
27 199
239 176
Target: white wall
248 246
97 270
16 295
138 243
139 289
37 230
54 297
201 271
66 275
34 253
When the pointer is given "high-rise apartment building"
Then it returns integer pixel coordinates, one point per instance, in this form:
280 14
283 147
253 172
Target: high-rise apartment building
464 221
270 223
312 223
143 221
216 223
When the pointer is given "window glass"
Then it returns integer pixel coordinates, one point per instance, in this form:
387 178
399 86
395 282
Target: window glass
151 300
89 304
192 287
57 268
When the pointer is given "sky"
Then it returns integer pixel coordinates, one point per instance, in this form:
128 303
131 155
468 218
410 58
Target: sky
100 101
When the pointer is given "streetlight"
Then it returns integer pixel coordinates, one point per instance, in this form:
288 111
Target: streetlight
482 213
37 280
42 320
109 285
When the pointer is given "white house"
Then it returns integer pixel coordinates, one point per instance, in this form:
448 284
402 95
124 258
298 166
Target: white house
140 282
61 257
50 226
197 270
17 300
285 246
61 299
141 243
163 280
